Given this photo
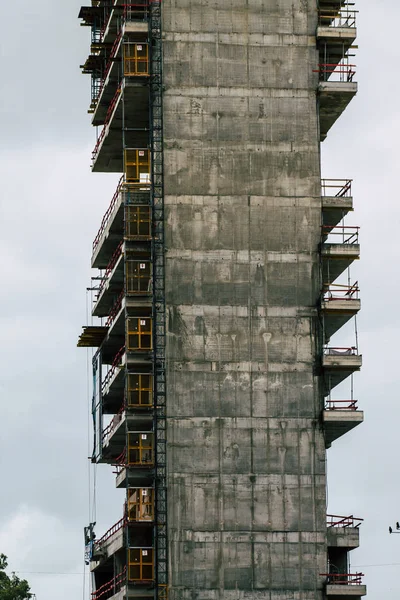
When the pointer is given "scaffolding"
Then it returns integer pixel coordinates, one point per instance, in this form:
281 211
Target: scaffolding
126 59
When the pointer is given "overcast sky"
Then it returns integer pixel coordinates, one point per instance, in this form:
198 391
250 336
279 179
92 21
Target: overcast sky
51 206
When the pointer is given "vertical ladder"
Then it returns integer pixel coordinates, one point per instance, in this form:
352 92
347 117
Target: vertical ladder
159 319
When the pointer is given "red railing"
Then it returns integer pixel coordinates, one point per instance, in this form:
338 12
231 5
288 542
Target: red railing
127 12
341 292
342 72
343 578
111 587
110 532
108 214
113 368
106 122
120 462
337 188
115 310
341 351
113 261
107 432
341 405
338 521
348 233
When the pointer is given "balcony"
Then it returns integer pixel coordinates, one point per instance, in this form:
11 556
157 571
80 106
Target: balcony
340 417
107 155
129 279
114 435
336 89
337 200
109 543
135 466
344 585
121 218
338 364
336 32
339 249
120 65
343 532
338 305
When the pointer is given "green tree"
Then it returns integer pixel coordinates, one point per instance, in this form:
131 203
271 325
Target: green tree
12 588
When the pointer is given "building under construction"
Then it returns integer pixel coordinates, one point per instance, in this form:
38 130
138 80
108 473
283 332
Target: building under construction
222 284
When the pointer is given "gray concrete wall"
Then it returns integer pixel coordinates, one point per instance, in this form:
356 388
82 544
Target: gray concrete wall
246 457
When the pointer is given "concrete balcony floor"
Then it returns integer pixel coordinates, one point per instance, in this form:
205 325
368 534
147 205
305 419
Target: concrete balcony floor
338 592
343 537
337 312
110 291
334 97
113 231
334 208
339 422
336 259
338 367
108 157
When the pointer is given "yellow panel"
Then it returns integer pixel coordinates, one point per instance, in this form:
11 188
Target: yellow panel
136 59
139 390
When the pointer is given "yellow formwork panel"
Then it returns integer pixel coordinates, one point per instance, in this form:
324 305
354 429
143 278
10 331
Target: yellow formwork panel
137 222
140 448
140 503
137 277
140 564
137 165
136 59
139 390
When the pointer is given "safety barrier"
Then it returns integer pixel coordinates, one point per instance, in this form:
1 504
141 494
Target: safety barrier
115 365
348 233
109 268
344 17
334 292
116 420
343 522
106 123
341 351
111 587
342 72
338 188
115 310
108 214
341 405
343 578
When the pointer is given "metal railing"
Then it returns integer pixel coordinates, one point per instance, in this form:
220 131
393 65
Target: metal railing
115 365
129 12
102 135
116 420
343 17
108 214
337 188
348 405
343 522
115 309
341 351
342 72
111 587
110 532
336 291
126 189
344 234
343 578
109 268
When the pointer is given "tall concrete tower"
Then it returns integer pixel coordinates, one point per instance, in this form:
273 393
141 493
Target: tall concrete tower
223 277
